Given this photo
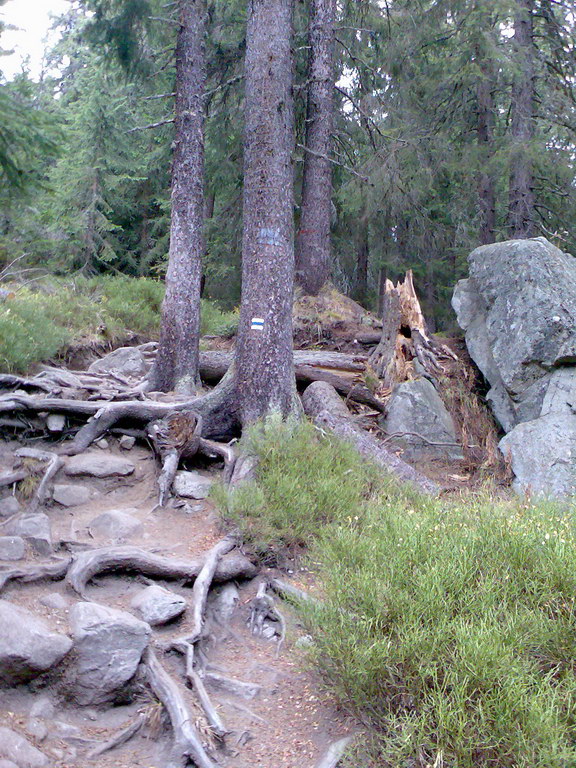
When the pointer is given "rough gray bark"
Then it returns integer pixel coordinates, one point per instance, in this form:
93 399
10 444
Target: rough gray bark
176 366
521 193
313 253
264 371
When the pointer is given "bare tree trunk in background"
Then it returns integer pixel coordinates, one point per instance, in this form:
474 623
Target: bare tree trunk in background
313 252
521 192
362 256
176 366
263 364
485 133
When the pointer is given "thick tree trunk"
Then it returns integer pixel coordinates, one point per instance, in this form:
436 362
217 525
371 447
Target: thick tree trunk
313 253
485 134
521 193
176 365
263 365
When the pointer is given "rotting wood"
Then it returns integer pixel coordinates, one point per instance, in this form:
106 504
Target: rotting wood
175 436
290 592
86 565
322 403
405 336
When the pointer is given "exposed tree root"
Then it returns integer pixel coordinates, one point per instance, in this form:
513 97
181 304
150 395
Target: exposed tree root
86 565
335 753
213 718
261 608
173 437
54 571
187 742
52 469
124 735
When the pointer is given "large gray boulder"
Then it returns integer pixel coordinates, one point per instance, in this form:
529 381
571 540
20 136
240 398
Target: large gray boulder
115 525
192 485
518 311
19 750
108 646
28 647
126 361
420 422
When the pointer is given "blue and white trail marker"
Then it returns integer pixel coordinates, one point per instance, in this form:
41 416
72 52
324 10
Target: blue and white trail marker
257 323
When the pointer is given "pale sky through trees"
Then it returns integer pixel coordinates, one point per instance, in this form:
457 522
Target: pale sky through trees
32 17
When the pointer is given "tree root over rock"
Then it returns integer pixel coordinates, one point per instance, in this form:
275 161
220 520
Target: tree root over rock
86 565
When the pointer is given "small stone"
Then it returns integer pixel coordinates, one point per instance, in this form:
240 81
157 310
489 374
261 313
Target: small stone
66 730
55 600
12 548
268 631
36 728
103 444
115 525
126 361
223 601
9 506
98 465
157 605
43 707
304 642
192 485
55 423
71 495
14 746
127 442
35 529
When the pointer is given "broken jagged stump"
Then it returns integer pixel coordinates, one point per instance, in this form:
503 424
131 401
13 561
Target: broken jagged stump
405 336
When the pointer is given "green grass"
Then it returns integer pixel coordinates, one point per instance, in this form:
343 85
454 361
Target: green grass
36 325
448 626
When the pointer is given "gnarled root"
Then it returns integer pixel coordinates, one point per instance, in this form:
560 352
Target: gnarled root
335 753
261 608
187 742
121 737
54 571
86 565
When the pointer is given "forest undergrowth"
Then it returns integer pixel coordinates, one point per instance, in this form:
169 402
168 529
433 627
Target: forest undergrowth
39 322
447 626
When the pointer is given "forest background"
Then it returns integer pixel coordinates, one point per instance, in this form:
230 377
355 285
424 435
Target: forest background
426 137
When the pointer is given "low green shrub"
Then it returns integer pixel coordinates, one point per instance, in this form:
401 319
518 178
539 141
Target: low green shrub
36 325
447 625
303 484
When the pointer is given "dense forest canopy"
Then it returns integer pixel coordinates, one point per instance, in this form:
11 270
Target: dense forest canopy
454 125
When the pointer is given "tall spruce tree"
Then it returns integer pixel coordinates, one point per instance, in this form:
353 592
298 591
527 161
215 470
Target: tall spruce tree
263 363
313 247
176 365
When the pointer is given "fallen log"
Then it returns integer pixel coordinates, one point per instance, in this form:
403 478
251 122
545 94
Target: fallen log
95 562
323 404
342 371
